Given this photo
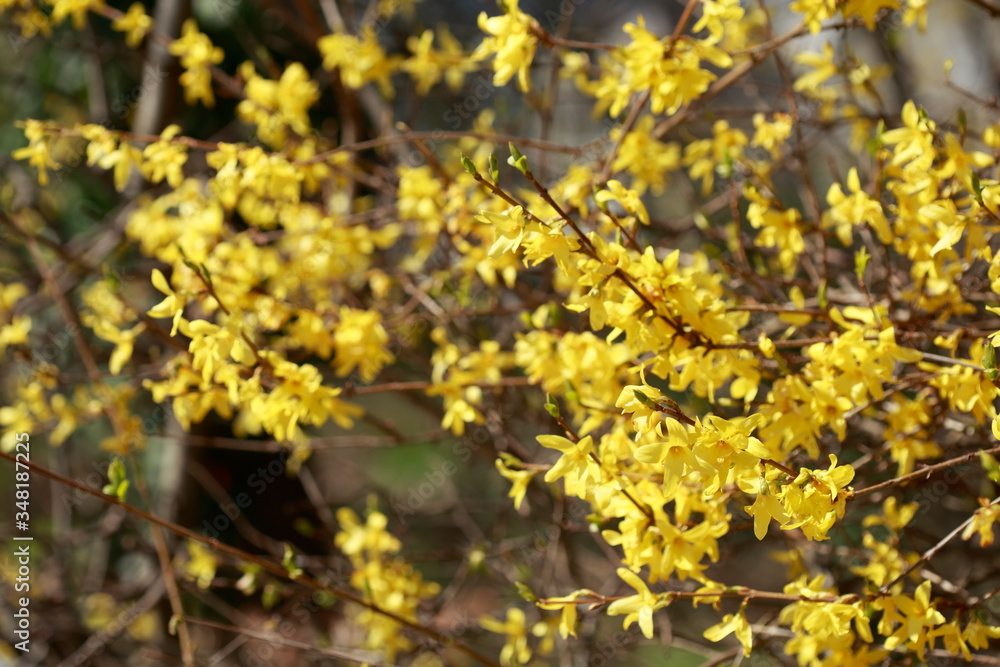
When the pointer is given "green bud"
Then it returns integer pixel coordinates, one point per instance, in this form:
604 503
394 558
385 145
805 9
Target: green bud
467 164
517 160
645 400
989 358
494 168
991 466
117 483
526 592
601 204
270 596
288 562
552 407
571 393
861 259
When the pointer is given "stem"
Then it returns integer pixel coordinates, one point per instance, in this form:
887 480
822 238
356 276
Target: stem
923 472
119 425
269 566
930 553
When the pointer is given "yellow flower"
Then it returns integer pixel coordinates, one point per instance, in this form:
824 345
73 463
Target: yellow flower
197 55
123 340
510 227
515 650
638 607
576 464
822 66
511 42
519 479
848 211
164 159
915 615
629 199
201 565
359 60
816 11
868 10
135 23
716 15
895 517
38 152
765 507
427 66
732 623
172 306
76 8
982 522
360 342
276 106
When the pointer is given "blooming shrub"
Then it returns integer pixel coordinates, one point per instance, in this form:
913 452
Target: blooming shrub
751 321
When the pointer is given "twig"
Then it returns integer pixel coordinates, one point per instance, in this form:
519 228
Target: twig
121 430
923 472
278 640
265 564
930 553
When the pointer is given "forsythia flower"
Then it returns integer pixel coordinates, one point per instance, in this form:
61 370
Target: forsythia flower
908 619
519 479
822 66
629 199
201 565
385 579
135 23
76 8
197 55
732 623
275 106
515 651
510 228
164 159
427 66
848 211
172 306
638 607
816 11
982 522
511 42
576 463
360 342
38 151
359 60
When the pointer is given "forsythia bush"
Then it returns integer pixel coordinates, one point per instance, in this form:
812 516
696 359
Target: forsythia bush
725 342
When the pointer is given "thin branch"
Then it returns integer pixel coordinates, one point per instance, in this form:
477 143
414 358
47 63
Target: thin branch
930 553
278 640
121 430
265 564
923 472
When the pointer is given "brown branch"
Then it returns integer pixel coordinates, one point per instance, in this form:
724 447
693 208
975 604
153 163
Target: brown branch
923 472
121 431
930 553
265 564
